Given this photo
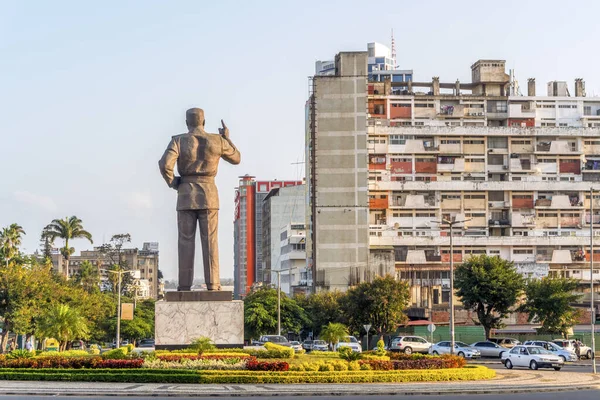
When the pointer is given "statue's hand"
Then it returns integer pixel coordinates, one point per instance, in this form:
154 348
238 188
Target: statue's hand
176 182
224 131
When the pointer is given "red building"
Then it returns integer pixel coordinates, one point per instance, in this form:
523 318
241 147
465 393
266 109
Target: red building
247 231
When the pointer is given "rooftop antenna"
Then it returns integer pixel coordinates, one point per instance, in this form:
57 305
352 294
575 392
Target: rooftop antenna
394 66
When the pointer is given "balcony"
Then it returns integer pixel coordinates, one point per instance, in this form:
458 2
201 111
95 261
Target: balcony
452 204
570 222
378 204
556 147
498 204
522 203
499 222
414 201
451 165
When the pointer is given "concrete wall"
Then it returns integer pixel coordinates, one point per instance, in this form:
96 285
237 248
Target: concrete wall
341 230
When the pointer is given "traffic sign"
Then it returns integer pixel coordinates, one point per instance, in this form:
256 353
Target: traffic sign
431 328
367 327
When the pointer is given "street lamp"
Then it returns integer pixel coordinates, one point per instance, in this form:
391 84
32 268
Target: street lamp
120 272
593 311
278 272
451 223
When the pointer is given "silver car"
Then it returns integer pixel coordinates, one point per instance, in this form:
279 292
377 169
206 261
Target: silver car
410 344
564 354
319 345
460 349
489 349
533 357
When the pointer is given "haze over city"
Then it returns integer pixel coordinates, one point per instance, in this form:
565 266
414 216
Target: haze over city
92 92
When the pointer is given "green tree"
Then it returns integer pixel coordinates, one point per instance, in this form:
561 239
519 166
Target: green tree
549 303
380 303
490 286
202 344
64 324
322 308
142 324
260 313
88 277
333 333
67 229
113 252
10 240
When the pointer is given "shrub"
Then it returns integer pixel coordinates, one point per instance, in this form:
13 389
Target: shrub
286 352
347 354
425 362
68 353
130 348
179 357
51 362
267 366
94 352
202 344
375 357
115 354
380 348
135 363
249 377
19 353
332 354
197 364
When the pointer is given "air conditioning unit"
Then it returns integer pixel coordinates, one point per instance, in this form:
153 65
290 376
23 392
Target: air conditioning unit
505 167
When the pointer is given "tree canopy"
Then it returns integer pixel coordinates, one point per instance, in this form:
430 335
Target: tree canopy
549 303
489 285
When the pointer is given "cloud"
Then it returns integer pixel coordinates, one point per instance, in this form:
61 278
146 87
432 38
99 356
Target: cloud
36 200
138 201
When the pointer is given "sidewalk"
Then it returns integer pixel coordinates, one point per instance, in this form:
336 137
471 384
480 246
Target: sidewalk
513 381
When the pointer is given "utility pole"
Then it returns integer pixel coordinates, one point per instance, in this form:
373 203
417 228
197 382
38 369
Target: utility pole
279 303
452 223
593 311
120 273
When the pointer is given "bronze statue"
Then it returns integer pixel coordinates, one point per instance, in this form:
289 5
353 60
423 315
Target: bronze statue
197 155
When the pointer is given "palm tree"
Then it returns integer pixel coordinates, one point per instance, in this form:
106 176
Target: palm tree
64 324
334 332
10 240
88 277
67 229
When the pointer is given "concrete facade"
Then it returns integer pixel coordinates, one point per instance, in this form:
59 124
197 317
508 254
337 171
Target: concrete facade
281 207
298 278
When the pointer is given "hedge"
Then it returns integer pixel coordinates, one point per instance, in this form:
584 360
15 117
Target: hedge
251 377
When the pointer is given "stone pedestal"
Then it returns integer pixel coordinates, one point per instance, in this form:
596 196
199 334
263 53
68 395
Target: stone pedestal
185 316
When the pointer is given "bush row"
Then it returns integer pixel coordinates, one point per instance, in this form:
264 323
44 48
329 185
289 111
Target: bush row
254 365
251 377
70 362
179 357
443 362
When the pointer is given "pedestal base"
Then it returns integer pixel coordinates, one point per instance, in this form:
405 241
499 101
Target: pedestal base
178 323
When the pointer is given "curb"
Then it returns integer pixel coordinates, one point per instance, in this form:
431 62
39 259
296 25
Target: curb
242 393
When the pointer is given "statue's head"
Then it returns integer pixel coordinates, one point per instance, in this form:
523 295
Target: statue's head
194 118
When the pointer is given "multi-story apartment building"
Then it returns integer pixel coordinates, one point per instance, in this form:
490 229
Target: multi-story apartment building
295 276
281 207
395 164
145 261
248 231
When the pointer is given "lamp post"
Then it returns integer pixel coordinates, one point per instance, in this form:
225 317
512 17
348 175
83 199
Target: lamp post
120 272
593 311
452 223
278 272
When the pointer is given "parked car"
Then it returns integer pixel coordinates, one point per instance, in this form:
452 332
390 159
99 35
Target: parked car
296 345
506 342
145 343
460 349
307 345
489 349
410 344
319 345
569 344
277 339
565 354
533 357
349 341
78 345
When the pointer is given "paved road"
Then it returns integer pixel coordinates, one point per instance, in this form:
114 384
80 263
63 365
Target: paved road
576 395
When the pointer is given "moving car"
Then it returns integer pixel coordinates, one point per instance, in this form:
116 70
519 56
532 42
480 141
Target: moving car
146 343
569 344
319 345
533 357
277 339
564 354
349 341
410 344
489 349
296 345
460 349
509 343
307 345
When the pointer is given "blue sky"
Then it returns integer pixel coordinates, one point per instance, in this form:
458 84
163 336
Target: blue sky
90 92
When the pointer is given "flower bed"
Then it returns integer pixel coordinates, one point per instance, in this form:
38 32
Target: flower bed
198 364
252 377
254 365
69 363
179 357
428 362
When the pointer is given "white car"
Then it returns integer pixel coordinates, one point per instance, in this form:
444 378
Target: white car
533 357
565 354
410 344
296 345
319 345
349 341
569 344
460 349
